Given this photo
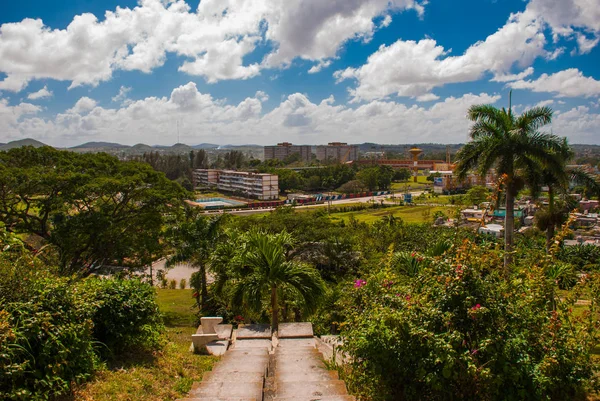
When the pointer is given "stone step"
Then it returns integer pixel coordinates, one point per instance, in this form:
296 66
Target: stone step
301 356
292 350
259 343
319 398
240 366
229 389
311 389
296 342
316 375
264 358
242 352
231 377
219 399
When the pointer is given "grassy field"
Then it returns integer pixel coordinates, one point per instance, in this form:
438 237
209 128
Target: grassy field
409 185
409 214
167 374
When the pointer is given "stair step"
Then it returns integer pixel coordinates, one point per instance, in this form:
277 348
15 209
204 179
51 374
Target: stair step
240 367
231 377
219 399
311 389
242 352
296 342
318 398
317 375
246 358
298 365
229 389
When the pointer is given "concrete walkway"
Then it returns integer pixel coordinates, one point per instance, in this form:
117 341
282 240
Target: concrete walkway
279 369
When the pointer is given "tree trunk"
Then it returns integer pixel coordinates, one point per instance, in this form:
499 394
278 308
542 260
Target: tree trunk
203 288
509 226
275 309
550 228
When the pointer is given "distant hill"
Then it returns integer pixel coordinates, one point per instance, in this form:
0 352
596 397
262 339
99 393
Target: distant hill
205 146
142 147
22 142
100 145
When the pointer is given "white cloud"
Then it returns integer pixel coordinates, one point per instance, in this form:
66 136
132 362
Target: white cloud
513 77
214 39
387 20
202 118
408 68
427 97
318 67
121 97
82 106
566 83
42 93
586 45
578 124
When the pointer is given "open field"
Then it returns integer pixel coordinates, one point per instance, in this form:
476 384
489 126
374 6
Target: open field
409 214
167 374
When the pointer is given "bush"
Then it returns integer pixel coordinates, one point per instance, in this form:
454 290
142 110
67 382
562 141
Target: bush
125 313
172 284
182 284
45 331
460 329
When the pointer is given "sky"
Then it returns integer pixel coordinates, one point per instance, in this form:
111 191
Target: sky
303 71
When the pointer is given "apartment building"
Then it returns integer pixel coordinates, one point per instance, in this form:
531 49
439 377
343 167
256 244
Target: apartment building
337 151
285 149
251 185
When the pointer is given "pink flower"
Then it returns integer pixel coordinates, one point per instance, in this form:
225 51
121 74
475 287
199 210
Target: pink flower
359 283
412 255
476 307
407 297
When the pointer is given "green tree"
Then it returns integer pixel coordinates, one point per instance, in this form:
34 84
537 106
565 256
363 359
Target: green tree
93 209
477 194
262 271
369 177
514 146
193 239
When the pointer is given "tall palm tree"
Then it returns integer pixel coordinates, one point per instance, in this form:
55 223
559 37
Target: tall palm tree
514 146
193 239
263 271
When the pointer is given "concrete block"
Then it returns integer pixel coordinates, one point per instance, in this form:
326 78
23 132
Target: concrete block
217 348
315 375
200 340
208 324
224 331
232 376
295 330
254 331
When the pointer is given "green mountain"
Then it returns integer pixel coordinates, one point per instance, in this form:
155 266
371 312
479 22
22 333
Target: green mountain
22 142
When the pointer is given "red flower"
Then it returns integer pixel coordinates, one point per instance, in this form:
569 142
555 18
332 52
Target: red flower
195 294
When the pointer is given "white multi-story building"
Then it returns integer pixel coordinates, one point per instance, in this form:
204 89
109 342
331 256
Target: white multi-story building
339 152
252 185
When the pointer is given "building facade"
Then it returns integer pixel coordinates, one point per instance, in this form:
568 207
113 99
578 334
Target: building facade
250 185
338 152
285 149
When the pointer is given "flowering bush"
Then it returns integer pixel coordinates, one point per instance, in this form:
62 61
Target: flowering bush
459 329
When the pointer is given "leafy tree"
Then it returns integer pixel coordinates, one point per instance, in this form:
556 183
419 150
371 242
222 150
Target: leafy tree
514 146
94 209
369 177
477 194
261 272
402 174
193 239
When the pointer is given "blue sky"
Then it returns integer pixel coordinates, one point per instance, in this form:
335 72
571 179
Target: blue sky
305 71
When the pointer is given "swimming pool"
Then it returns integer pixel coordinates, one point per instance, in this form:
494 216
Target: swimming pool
218 202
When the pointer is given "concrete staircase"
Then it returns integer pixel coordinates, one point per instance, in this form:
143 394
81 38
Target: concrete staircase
298 373
238 376
252 371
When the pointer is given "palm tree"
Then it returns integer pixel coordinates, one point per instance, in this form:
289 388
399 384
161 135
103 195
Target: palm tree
514 146
263 271
193 239
557 178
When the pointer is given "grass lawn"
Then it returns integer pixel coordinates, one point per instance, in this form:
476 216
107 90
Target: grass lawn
167 374
409 214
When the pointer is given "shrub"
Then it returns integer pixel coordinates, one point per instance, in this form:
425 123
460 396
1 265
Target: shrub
125 313
182 284
172 284
460 329
45 330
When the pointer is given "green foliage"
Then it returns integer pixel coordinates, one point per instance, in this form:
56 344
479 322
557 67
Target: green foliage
477 194
459 329
45 328
124 312
172 284
182 284
582 257
92 208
